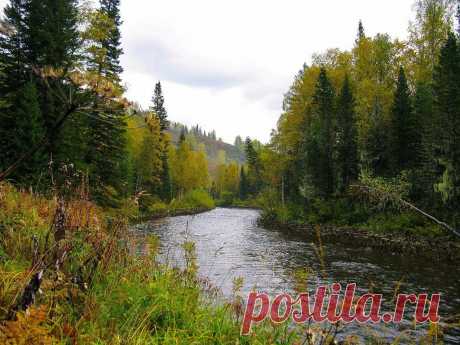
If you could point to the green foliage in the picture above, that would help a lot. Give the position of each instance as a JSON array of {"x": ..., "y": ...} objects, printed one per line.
[
  {"x": 404, "y": 134},
  {"x": 102, "y": 294},
  {"x": 197, "y": 199},
  {"x": 347, "y": 140},
  {"x": 159, "y": 108}
]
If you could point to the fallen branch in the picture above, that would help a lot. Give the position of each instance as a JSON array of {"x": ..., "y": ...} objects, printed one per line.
[{"x": 372, "y": 191}]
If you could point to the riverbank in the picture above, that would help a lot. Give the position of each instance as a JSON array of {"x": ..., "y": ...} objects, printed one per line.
[
  {"x": 440, "y": 248},
  {"x": 69, "y": 274}
]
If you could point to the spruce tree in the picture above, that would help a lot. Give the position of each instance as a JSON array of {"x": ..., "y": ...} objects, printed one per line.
[
  {"x": 447, "y": 122},
  {"x": 254, "y": 168},
  {"x": 52, "y": 38},
  {"x": 12, "y": 77},
  {"x": 106, "y": 155},
  {"x": 12, "y": 49},
  {"x": 112, "y": 43},
  {"x": 426, "y": 160},
  {"x": 160, "y": 111},
  {"x": 159, "y": 108},
  {"x": 347, "y": 148},
  {"x": 243, "y": 187},
  {"x": 377, "y": 149},
  {"x": 323, "y": 136},
  {"x": 29, "y": 131},
  {"x": 361, "y": 32},
  {"x": 404, "y": 138}
]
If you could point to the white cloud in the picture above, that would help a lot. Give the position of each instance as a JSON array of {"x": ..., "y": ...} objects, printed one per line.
[{"x": 226, "y": 64}]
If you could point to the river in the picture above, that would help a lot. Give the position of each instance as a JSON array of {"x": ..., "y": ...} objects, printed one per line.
[{"x": 230, "y": 244}]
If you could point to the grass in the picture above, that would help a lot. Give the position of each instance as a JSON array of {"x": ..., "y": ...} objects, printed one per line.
[
  {"x": 103, "y": 292},
  {"x": 98, "y": 289},
  {"x": 343, "y": 212}
]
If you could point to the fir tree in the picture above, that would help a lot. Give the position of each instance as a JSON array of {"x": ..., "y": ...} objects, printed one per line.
[
  {"x": 403, "y": 132},
  {"x": 323, "y": 136},
  {"x": 243, "y": 187},
  {"x": 12, "y": 48},
  {"x": 112, "y": 43},
  {"x": 361, "y": 32},
  {"x": 425, "y": 160},
  {"x": 106, "y": 155},
  {"x": 377, "y": 151},
  {"x": 254, "y": 169},
  {"x": 52, "y": 39},
  {"x": 447, "y": 121},
  {"x": 29, "y": 131},
  {"x": 347, "y": 149},
  {"x": 159, "y": 107}
]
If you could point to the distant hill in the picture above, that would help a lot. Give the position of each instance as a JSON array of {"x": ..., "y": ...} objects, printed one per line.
[
  {"x": 214, "y": 146},
  {"x": 218, "y": 151}
]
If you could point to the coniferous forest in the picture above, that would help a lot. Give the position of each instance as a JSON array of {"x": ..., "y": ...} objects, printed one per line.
[{"x": 368, "y": 141}]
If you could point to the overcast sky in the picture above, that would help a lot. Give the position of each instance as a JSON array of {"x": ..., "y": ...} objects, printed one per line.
[{"x": 226, "y": 64}]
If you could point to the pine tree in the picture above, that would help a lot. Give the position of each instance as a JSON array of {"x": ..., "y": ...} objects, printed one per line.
[
  {"x": 243, "y": 187},
  {"x": 112, "y": 43},
  {"x": 159, "y": 108},
  {"x": 106, "y": 154},
  {"x": 361, "y": 32},
  {"x": 426, "y": 159},
  {"x": 323, "y": 136},
  {"x": 447, "y": 121},
  {"x": 29, "y": 131},
  {"x": 52, "y": 38},
  {"x": 377, "y": 149},
  {"x": 254, "y": 168},
  {"x": 347, "y": 149},
  {"x": 12, "y": 48},
  {"x": 404, "y": 138},
  {"x": 12, "y": 77},
  {"x": 160, "y": 111}
]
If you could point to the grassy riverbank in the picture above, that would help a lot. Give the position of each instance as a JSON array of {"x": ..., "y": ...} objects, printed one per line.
[
  {"x": 99, "y": 292},
  {"x": 71, "y": 274},
  {"x": 354, "y": 223},
  {"x": 193, "y": 202}
]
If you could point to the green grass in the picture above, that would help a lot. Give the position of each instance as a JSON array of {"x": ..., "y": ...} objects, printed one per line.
[{"x": 105, "y": 292}]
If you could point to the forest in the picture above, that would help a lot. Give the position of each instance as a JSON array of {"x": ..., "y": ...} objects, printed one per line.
[
  {"x": 368, "y": 138},
  {"x": 63, "y": 108},
  {"x": 369, "y": 135}
]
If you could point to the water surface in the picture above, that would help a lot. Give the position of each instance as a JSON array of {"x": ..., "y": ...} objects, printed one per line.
[{"x": 230, "y": 244}]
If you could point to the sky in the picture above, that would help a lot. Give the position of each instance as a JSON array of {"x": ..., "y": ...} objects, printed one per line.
[{"x": 226, "y": 65}]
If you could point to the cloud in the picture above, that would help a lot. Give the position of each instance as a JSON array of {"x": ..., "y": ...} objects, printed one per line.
[{"x": 226, "y": 64}]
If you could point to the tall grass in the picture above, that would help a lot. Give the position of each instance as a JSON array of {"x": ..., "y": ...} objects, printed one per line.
[
  {"x": 101, "y": 292},
  {"x": 97, "y": 289}
]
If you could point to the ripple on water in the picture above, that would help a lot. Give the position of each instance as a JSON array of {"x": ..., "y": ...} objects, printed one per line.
[{"x": 230, "y": 244}]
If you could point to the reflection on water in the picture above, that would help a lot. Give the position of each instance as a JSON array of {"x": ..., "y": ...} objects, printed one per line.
[{"x": 230, "y": 244}]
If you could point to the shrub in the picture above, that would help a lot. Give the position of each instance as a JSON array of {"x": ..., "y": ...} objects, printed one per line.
[{"x": 194, "y": 200}]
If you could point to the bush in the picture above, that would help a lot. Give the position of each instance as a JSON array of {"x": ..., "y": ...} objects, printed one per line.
[
  {"x": 227, "y": 199},
  {"x": 158, "y": 209},
  {"x": 194, "y": 200}
]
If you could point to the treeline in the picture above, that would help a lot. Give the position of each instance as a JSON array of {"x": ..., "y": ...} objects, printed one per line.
[
  {"x": 63, "y": 115},
  {"x": 61, "y": 95},
  {"x": 386, "y": 113}
]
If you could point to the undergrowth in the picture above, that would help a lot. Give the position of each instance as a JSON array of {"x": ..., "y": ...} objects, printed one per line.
[{"x": 95, "y": 287}]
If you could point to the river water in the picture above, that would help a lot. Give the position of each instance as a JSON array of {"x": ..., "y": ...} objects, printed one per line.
[{"x": 230, "y": 244}]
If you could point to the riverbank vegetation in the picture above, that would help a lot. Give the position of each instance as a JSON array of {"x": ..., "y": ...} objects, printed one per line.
[
  {"x": 369, "y": 137},
  {"x": 69, "y": 274}
]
